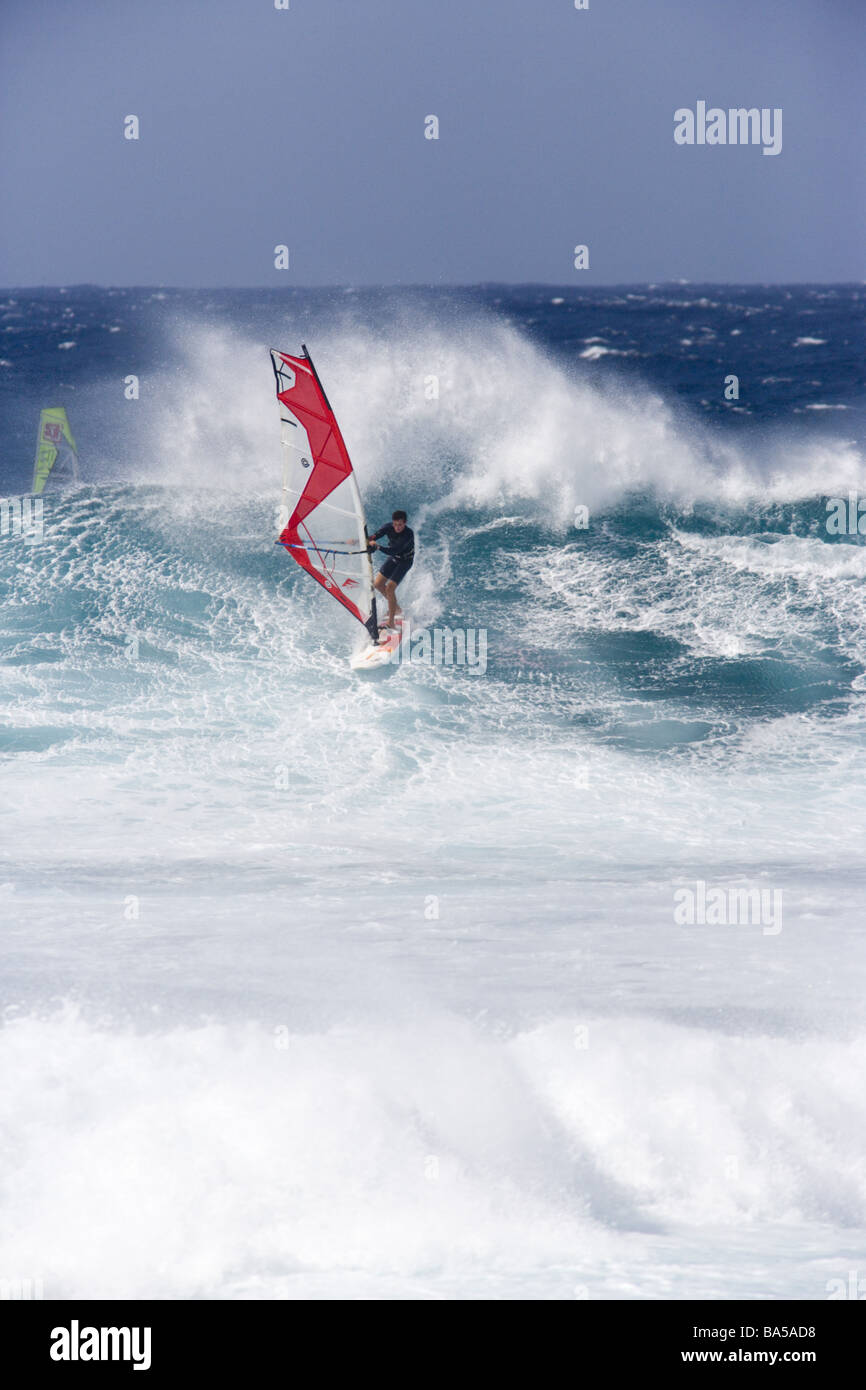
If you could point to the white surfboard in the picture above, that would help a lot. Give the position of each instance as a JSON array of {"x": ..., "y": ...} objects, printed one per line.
[{"x": 380, "y": 653}]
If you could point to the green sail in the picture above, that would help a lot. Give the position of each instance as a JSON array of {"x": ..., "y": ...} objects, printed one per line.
[{"x": 56, "y": 454}]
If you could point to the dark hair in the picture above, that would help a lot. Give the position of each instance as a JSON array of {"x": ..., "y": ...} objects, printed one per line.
[{"x": 399, "y": 516}]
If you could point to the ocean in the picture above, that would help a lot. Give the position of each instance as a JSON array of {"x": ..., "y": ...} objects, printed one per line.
[{"x": 538, "y": 978}]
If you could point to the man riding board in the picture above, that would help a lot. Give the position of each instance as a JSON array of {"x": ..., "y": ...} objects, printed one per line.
[{"x": 400, "y": 553}]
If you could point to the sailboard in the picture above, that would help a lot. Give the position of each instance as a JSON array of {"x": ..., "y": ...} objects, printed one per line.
[
  {"x": 382, "y": 652},
  {"x": 324, "y": 527},
  {"x": 56, "y": 452}
]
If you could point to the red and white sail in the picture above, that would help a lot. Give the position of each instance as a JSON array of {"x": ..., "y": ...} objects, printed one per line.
[{"x": 324, "y": 527}]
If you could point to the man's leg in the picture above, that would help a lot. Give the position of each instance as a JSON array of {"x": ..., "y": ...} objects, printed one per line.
[
  {"x": 388, "y": 589},
  {"x": 391, "y": 594}
]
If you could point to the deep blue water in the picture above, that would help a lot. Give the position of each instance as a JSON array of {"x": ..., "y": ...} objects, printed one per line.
[{"x": 681, "y": 339}]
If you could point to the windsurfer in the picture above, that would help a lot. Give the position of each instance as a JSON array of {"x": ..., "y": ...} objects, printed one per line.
[{"x": 400, "y": 553}]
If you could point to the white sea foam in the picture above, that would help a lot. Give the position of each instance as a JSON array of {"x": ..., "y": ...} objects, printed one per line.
[
  {"x": 250, "y": 1161},
  {"x": 378, "y": 989},
  {"x": 508, "y": 425}
]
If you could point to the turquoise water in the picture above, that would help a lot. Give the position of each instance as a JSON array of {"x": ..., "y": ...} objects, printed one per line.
[{"x": 324, "y": 986}]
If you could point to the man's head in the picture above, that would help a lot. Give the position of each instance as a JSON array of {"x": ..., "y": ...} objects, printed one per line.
[{"x": 399, "y": 519}]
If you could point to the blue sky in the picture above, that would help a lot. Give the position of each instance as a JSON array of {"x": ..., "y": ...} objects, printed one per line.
[{"x": 306, "y": 127}]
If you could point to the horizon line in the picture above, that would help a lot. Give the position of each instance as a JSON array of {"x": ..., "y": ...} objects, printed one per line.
[{"x": 347, "y": 288}]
